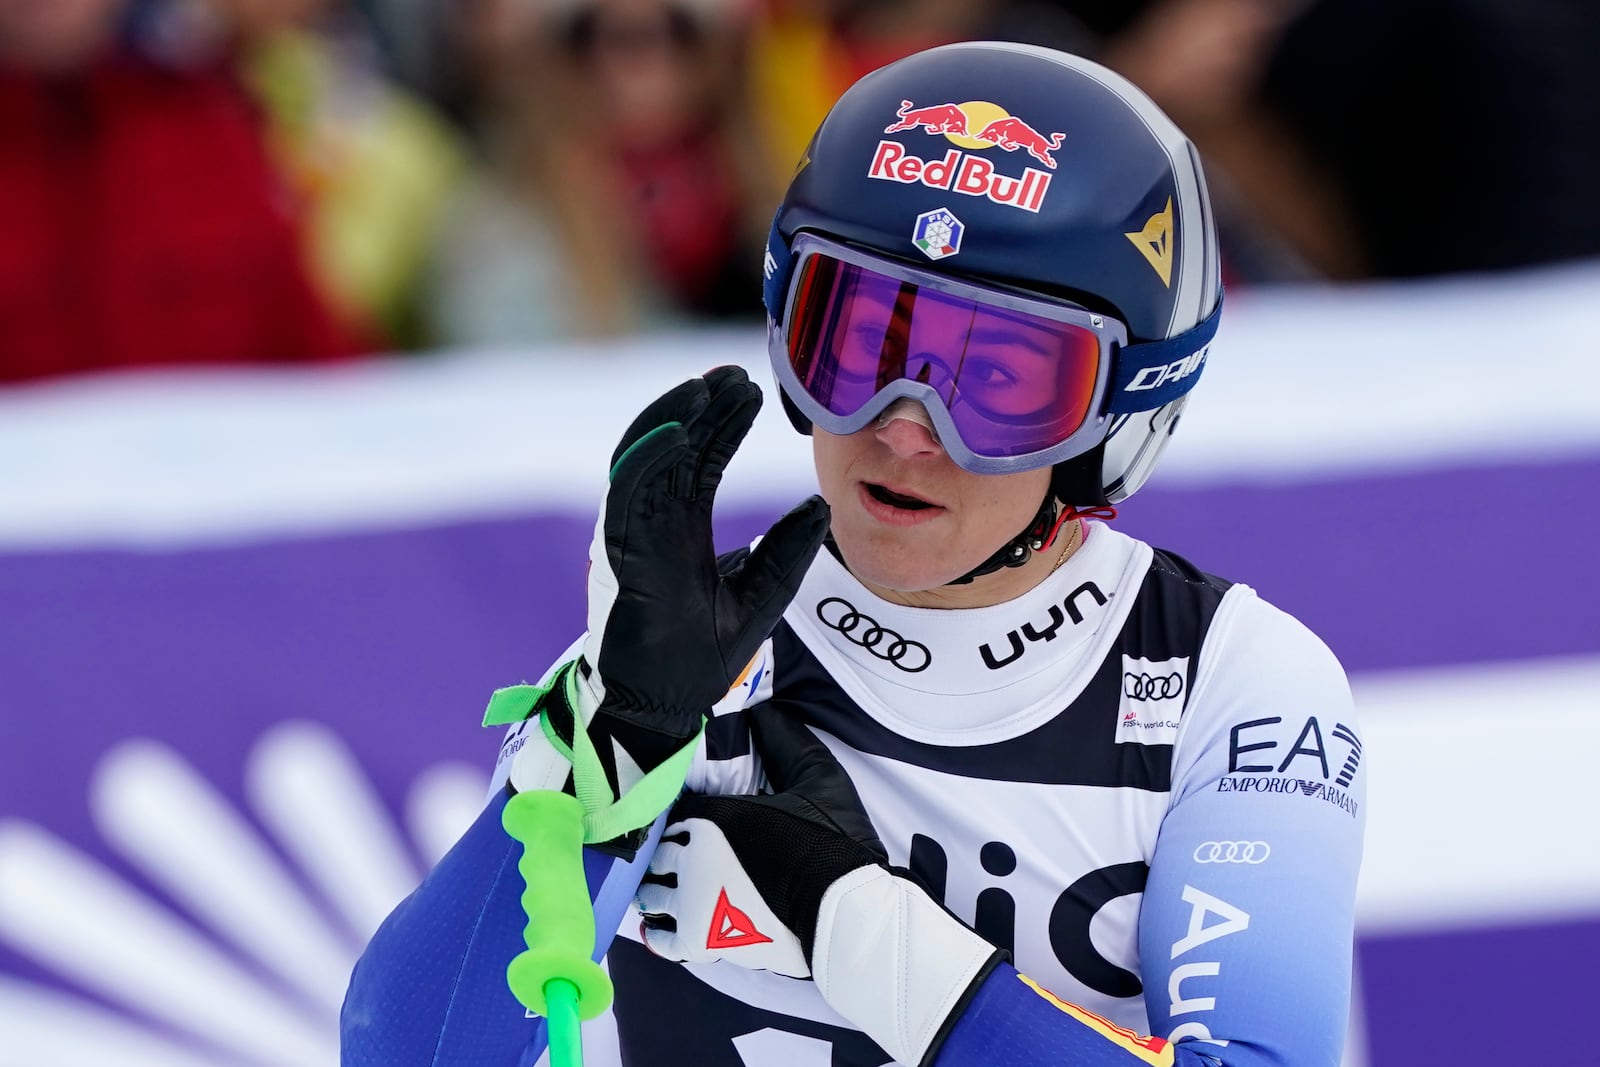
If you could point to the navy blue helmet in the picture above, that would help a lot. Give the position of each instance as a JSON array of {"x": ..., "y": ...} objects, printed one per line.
[{"x": 1027, "y": 189}]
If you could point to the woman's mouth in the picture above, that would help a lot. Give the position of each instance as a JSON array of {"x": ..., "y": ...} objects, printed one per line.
[
  {"x": 896, "y": 508},
  {"x": 894, "y": 499}
]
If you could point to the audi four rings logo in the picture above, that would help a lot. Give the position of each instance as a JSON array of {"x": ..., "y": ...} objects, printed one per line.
[
  {"x": 858, "y": 629},
  {"x": 1251, "y": 852},
  {"x": 1152, "y": 687}
]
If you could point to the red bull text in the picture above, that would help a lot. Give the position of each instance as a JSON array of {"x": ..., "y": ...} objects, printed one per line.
[
  {"x": 977, "y": 125},
  {"x": 959, "y": 172}
]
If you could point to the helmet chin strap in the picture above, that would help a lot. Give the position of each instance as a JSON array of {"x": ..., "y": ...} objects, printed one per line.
[{"x": 1039, "y": 535}]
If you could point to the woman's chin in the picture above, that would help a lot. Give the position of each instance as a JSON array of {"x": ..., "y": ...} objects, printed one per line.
[{"x": 899, "y": 571}]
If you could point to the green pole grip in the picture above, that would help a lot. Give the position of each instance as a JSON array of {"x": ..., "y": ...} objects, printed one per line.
[{"x": 555, "y": 897}]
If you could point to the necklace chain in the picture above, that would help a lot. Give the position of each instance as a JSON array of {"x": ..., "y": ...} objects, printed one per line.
[{"x": 1072, "y": 543}]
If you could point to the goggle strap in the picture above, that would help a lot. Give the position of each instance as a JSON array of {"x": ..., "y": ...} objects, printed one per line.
[
  {"x": 1155, "y": 373},
  {"x": 776, "y": 266}
]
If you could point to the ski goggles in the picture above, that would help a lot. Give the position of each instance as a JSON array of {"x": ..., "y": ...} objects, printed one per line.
[{"x": 1010, "y": 381}]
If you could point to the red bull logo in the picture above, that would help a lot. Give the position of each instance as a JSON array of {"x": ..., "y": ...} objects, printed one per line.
[
  {"x": 940, "y": 118},
  {"x": 976, "y": 125}
]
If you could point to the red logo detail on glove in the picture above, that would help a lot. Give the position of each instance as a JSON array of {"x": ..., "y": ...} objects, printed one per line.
[{"x": 732, "y": 928}]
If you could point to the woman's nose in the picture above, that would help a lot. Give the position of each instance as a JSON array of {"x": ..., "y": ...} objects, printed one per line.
[{"x": 906, "y": 428}]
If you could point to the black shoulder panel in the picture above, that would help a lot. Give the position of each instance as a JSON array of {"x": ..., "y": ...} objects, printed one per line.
[{"x": 1174, "y": 610}]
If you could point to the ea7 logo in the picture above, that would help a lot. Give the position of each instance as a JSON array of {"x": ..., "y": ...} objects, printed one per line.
[
  {"x": 1177, "y": 370},
  {"x": 1308, "y": 744},
  {"x": 1308, "y": 767}
]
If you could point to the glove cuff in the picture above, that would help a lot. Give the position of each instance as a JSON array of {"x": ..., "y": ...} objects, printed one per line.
[
  {"x": 895, "y": 963},
  {"x": 540, "y": 745},
  {"x": 620, "y": 799}
]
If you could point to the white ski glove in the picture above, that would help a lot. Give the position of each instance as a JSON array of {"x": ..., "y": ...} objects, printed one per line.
[{"x": 796, "y": 882}]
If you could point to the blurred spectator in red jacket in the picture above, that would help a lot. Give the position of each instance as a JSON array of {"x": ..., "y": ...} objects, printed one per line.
[
  {"x": 370, "y": 163},
  {"x": 143, "y": 222}
]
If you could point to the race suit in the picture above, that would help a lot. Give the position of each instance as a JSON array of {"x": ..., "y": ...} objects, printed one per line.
[{"x": 1142, "y": 781}]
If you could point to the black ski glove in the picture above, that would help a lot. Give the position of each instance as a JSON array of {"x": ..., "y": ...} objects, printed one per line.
[{"x": 668, "y": 633}]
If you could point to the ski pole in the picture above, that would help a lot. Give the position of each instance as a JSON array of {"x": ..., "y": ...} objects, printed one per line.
[{"x": 555, "y": 976}]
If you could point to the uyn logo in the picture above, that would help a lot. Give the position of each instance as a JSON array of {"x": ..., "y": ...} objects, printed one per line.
[{"x": 1059, "y": 614}]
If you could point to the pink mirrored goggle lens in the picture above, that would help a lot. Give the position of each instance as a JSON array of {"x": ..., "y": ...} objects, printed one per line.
[{"x": 1012, "y": 382}]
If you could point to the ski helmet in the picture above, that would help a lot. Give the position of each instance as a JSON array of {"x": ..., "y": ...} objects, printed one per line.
[{"x": 985, "y": 214}]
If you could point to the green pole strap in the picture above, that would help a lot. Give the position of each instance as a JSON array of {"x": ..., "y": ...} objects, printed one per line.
[
  {"x": 605, "y": 816},
  {"x": 555, "y": 975},
  {"x": 517, "y": 702}
]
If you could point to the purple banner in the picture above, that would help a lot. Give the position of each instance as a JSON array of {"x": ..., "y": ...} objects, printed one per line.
[
  {"x": 1513, "y": 995},
  {"x": 1446, "y": 566},
  {"x": 393, "y": 640}
]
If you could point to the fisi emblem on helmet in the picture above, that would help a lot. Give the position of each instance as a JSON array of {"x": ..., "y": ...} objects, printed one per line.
[{"x": 938, "y": 233}]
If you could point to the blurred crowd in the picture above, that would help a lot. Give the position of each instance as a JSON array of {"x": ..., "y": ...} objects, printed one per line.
[{"x": 201, "y": 181}]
